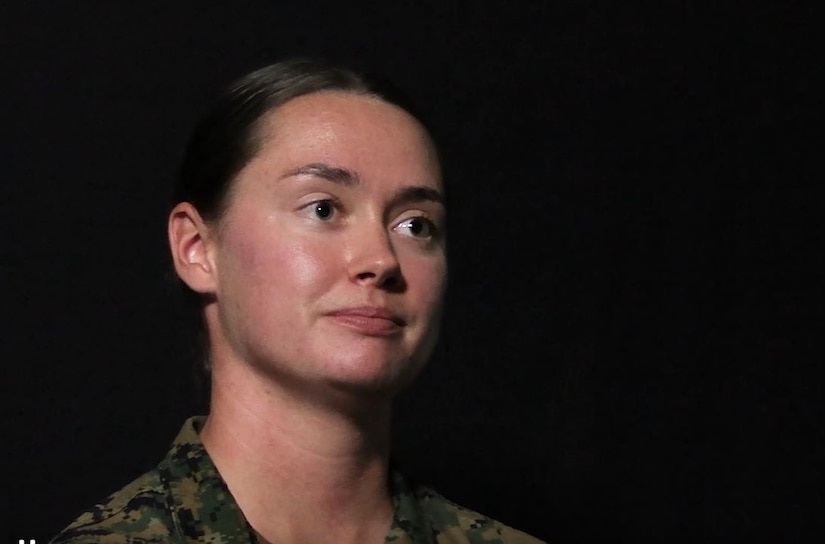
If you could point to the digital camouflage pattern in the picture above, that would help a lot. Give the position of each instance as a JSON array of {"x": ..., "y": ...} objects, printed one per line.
[{"x": 185, "y": 500}]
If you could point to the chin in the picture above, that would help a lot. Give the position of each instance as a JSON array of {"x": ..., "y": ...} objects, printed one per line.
[{"x": 379, "y": 378}]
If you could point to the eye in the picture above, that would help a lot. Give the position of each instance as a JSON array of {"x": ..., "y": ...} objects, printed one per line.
[
  {"x": 416, "y": 227},
  {"x": 321, "y": 209}
]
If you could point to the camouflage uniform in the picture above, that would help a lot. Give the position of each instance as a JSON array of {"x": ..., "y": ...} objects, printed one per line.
[{"x": 185, "y": 500}]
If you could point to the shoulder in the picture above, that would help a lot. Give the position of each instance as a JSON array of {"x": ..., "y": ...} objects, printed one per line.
[
  {"x": 137, "y": 513},
  {"x": 452, "y": 523}
]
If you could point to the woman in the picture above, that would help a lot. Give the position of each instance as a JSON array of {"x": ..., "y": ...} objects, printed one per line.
[{"x": 310, "y": 223}]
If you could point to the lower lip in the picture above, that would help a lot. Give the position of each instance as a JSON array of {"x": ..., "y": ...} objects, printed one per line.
[{"x": 369, "y": 326}]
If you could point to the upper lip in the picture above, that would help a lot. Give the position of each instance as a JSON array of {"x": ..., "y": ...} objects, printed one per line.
[{"x": 378, "y": 312}]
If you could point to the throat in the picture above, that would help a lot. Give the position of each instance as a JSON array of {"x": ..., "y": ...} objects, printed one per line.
[{"x": 299, "y": 473}]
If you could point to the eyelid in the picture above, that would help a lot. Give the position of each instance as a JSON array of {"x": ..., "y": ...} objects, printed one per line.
[
  {"x": 412, "y": 212},
  {"x": 315, "y": 198}
]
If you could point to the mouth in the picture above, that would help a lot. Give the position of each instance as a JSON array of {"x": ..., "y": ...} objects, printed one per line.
[{"x": 369, "y": 320}]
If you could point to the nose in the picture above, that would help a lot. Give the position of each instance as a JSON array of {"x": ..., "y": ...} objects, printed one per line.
[{"x": 373, "y": 261}]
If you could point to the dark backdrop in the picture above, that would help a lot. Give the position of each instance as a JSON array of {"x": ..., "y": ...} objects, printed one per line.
[{"x": 633, "y": 335}]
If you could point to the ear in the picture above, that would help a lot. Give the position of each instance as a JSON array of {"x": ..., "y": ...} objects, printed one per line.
[{"x": 189, "y": 238}]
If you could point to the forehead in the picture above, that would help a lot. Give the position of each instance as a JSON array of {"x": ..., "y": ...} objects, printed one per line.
[
  {"x": 354, "y": 131},
  {"x": 330, "y": 108}
]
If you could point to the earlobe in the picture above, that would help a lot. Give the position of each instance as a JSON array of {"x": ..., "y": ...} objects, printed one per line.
[{"x": 189, "y": 244}]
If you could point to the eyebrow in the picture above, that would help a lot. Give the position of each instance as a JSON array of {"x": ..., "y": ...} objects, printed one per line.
[
  {"x": 334, "y": 174},
  {"x": 417, "y": 193},
  {"x": 343, "y": 176}
]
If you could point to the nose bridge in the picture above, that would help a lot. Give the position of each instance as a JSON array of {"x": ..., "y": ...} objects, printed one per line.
[{"x": 372, "y": 254}]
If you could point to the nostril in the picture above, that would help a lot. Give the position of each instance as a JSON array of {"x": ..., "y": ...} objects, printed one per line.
[{"x": 393, "y": 283}]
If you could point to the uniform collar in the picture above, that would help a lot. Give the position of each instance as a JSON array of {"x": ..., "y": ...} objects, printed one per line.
[{"x": 201, "y": 505}]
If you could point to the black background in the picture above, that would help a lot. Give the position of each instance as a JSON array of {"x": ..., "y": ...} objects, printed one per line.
[{"x": 634, "y": 322}]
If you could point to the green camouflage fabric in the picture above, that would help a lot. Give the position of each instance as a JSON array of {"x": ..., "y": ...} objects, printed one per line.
[{"x": 185, "y": 500}]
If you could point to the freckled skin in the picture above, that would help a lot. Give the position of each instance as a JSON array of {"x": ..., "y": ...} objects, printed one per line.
[{"x": 282, "y": 269}]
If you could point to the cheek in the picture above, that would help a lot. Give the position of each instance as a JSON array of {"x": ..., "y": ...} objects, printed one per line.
[
  {"x": 429, "y": 278},
  {"x": 309, "y": 265},
  {"x": 267, "y": 268}
]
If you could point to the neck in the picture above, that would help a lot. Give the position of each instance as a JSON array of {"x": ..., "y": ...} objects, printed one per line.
[{"x": 321, "y": 465}]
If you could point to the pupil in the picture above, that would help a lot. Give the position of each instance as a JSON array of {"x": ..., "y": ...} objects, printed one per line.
[
  {"x": 323, "y": 210},
  {"x": 416, "y": 226}
]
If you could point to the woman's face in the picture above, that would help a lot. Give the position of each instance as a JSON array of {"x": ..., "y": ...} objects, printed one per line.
[{"x": 330, "y": 258}]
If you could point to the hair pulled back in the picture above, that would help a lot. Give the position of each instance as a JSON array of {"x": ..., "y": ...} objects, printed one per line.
[{"x": 227, "y": 137}]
